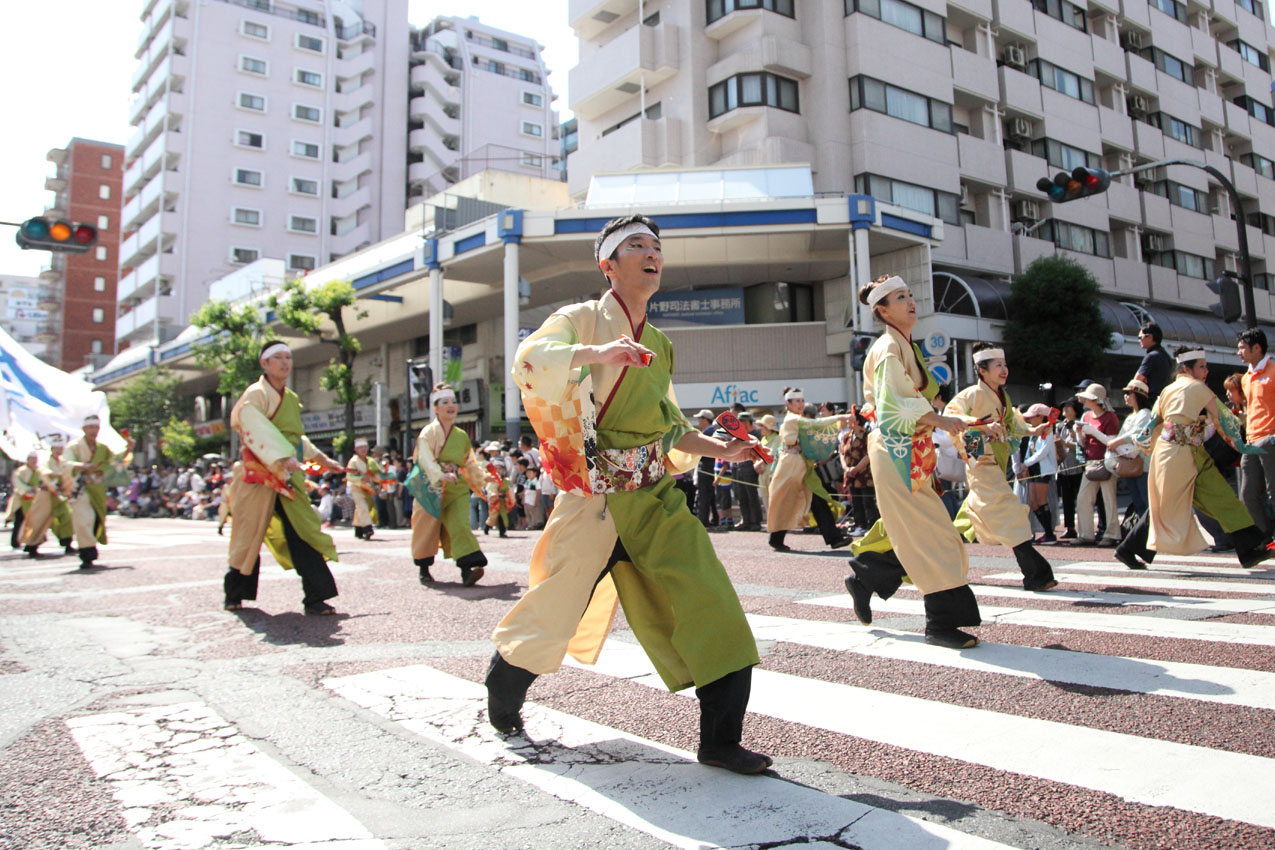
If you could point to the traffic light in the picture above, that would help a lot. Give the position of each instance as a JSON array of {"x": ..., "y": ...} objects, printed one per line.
[
  {"x": 59, "y": 236},
  {"x": 422, "y": 378},
  {"x": 859, "y": 350},
  {"x": 1080, "y": 183},
  {"x": 1227, "y": 287}
]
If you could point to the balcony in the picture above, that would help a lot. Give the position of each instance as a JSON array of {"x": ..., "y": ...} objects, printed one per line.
[
  {"x": 350, "y": 203},
  {"x": 56, "y": 183},
  {"x": 144, "y": 204},
  {"x": 974, "y": 74},
  {"x": 1124, "y": 202},
  {"x": 1237, "y": 120},
  {"x": 426, "y": 141},
  {"x": 137, "y": 324},
  {"x": 155, "y": 235},
  {"x": 642, "y": 143},
  {"x": 147, "y": 279},
  {"x": 614, "y": 75},
  {"x": 1014, "y": 16},
  {"x": 1019, "y": 91},
  {"x": 1147, "y": 140},
  {"x": 429, "y": 79},
  {"x": 1022, "y": 170},
  {"x": 431, "y": 112},
  {"x": 590, "y": 17},
  {"x": 981, "y": 160},
  {"x": 356, "y": 66}
]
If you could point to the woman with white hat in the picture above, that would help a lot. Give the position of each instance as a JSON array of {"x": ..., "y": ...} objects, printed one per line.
[
  {"x": 769, "y": 438},
  {"x": 361, "y": 474},
  {"x": 1099, "y": 421},
  {"x": 794, "y": 482}
]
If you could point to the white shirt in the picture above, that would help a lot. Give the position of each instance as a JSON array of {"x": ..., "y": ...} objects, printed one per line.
[{"x": 1259, "y": 365}]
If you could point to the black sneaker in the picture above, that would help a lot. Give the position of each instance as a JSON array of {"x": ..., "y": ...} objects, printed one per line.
[
  {"x": 734, "y": 758},
  {"x": 469, "y": 576},
  {"x": 1261, "y": 553},
  {"x": 841, "y": 542},
  {"x": 319, "y": 609},
  {"x": 951, "y": 638},
  {"x": 862, "y": 599},
  {"x": 1129, "y": 560}
]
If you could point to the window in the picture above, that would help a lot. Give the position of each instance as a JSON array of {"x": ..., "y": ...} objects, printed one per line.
[
  {"x": 95, "y": 346},
  {"x": 254, "y": 102},
  {"x": 309, "y": 150},
  {"x": 245, "y": 216},
  {"x": 1257, "y": 109},
  {"x": 248, "y": 177},
  {"x": 104, "y": 191},
  {"x": 763, "y": 89},
  {"x": 301, "y": 112},
  {"x": 106, "y": 162},
  {"x": 903, "y": 15},
  {"x": 99, "y": 284},
  {"x": 721, "y": 8},
  {"x": 1260, "y": 164},
  {"x": 1061, "y": 10},
  {"x": 243, "y": 256},
  {"x": 1061, "y": 80},
  {"x": 1172, "y": 8},
  {"x": 252, "y": 29},
  {"x": 530, "y": 98},
  {"x": 1169, "y": 64},
  {"x": 103, "y": 222},
  {"x": 100, "y": 253},
  {"x": 309, "y": 42},
  {"x": 532, "y": 160},
  {"x": 867, "y": 93},
  {"x": 944, "y": 205},
  {"x": 653, "y": 112},
  {"x": 305, "y": 16},
  {"x": 528, "y": 76},
  {"x": 1064, "y": 156},
  {"x": 1262, "y": 222},
  {"x": 309, "y": 78},
  {"x": 247, "y": 139},
  {"x": 99, "y": 315},
  {"x": 500, "y": 44},
  {"x": 530, "y": 128},
  {"x": 1073, "y": 237},
  {"x": 303, "y": 224},
  {"x": 1253, "y": 7},
  {"x": 1176, "y": 128},
  {"x": 301, "y": 186},
  {"x": 251, "y": 65},
  {"x": 1181, "y": 196},
  {"x": 1190, "y": 265},
  {"x": 301, "y": 262}
]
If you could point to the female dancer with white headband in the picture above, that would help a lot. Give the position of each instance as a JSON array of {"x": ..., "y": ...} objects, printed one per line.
[
  {"x": 444, "y": 456},
  {"x": 794, "y": 483},
  {"x": 899, "y": 389},
  {"x": 1184, "y": 477}
]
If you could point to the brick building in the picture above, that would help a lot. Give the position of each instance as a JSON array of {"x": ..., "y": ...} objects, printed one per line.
[{"x": 87, "y": 186}]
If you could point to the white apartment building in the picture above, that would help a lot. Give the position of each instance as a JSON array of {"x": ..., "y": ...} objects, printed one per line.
[
  {"x": 263, "y": 129},
  {"x": 30, "y": 313},
  {"x": 956, "y": 109},
  {"x": 480, "y": 100}
]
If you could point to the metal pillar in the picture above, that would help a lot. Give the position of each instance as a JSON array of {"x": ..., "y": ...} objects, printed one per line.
[
  {"x": 436, "y": 322},
  {"x": 513, "y": 400}
]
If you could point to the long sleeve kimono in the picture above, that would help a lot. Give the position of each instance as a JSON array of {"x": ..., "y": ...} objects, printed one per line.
[
  {"x": 49, "y": 508},
  {"x": 794, "y": 482},
  {"x": 1183, "y": 475},
  {"x": 442, "y": 515},
  {"x": 361, "y": 479},
  {"x": 901, "y": 455},
  {"x": 26, "y": 484},
  {"x": 88, "y": 504},
  {"x": 991, "y": 510},
  {"x": 270, "y": 425},
  {"x": 617, "y": 506}
]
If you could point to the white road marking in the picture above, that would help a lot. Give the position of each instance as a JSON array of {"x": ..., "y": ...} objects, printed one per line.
[
  {"x": 1141, "y": 770},
  {"x": 186, "y": 780},
  {"x": 1155, "y": 600},
  {"x": 1125, "y": 624},
  {"x": 1147, "y": 579},
  {"x": 1165, "y": 565},
  {"x": 650, "y": 787},
  {"x": 337, "y": 568},
  {"x": 1227, "y": 685}
]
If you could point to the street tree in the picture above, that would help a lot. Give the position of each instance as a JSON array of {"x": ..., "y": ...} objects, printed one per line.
[
  {"x": 308, "y": 311},
  {"x": 237, "y": 334},
  {"x": 146, "y": 403},
  {"x": 179, "y": 442},
  {"x": 1055, "y": 330}
]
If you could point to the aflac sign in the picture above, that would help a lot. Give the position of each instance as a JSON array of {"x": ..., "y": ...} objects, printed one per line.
[{"x": 728, "y": 394}]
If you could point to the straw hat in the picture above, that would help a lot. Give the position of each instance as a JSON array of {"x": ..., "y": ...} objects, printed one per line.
[{"x": 1094, "y": 392}]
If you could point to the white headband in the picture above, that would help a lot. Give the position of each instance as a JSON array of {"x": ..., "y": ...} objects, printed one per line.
[
  {"x": 989, "y": 354},
  {"x": 57, "y": 441},
  {"x": 794, "y": 395},
  {"x": 1188, "y": 356},
  {"x": 92, "y": 420},
  {"x": 614, "y": 239},
  {"x": 361, "y": 441},
  {"x": 273, "y": 349},
  {"x": 884, "y": 288},
  {"x": 441, "y": 395}
]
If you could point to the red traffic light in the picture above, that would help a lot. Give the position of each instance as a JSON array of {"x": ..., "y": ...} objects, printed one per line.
[
  {"x": 1080, "y": 183},
  {"x": 59, "y": 236}
]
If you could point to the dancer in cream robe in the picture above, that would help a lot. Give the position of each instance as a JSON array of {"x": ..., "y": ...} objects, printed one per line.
[
  {"x": 899, "y": 390},
  {"x": 49, "y": 509},
  {"x": 795, "y": 490},
  {"x": 1183, "y": 477},
  {"x": 26, "y": 485},
  {"x": 362, "y": 473},
  {"x": 90, "y": 461}
]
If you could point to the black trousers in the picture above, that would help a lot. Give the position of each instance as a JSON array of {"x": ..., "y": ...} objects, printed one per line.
[
  {"x": 747, "y": 495},
  {"x": 882, "y": 574},
  {"x": 1068, "y": 489},
  {"x": 14, "y": 542},
  {"x": 705, "y": 499},
  {"x": 823, "y": 519},
  {"x": 317, "y": 583},
  {"x": 863, "y": 503},
  {"x": 1246, "y": 540}
]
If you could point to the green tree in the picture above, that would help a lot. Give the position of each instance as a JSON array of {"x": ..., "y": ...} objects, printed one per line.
[
  {"x": 179, "y": 442},
  {"x": 147, "y": 403},
  {"x": 1056, "y": 331},
  {"x": 306, "y": 310},
  {"x": 237, "y": 336}
]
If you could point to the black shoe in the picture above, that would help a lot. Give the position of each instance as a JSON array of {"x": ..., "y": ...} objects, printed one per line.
[
  {"x": 1040, "y": 588},
  {"x": 1261, "y": 553},
  {"x": 733, "y": 757},
  {"x": 1107, "y": 543},
  {"x": 841, "y": 542},
  {"x": 319, "y": 609},
  {"x": 32, "y": 553},
  {"x": 862, "y": 599},
  {"x": 781, "y": 547},
  {"x": 425, "y": 564},
  {"x": 1070, "y": 534},
  {"x": 1129, "y": 559},
  {"x": 503, "y": 535},
  {"x": 951, "y": 638},
  {"x": 486, "y": 528},
  {"x": 69, "y": 550},
  {"x": 506, "y": 692},
  {"x": 469, "y": 576}
]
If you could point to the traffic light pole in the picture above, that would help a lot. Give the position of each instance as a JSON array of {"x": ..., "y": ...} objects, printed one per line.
[{"x": 1246, "y": 268}]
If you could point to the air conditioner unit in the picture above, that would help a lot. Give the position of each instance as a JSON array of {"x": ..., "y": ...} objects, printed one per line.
[
  {"x": 1139, "y": 105},
  {"x": 1132, "y": 40},
  {"x": 1020, "y": 128},
  {"x": 1143, "y": 184},
  {"x": 1026, "y": 209},
  {"x": 1015, "y": 57},
  {"x": 1152, "y": 243}
]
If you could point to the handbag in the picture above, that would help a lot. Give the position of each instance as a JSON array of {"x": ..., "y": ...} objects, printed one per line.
[
  {"x": 1095, "y": 470},
  {"x": 1128, "y": 467}
]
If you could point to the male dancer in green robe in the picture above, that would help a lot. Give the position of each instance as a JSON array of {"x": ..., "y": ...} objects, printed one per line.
[
  {"x": 89, "y": 460},
  {"x": 271, "y": 504},
  {"x": 620, "y": 528}
]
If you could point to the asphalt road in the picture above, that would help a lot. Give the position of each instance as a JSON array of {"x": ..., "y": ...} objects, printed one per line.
[{"x": 1121, "y": 710}]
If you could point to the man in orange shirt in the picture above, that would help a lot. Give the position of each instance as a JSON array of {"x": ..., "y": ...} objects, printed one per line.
[{"x": 1257, "y": 471}]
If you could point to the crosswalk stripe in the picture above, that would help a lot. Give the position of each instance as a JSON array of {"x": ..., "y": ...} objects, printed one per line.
[
  {"x": 1227, "y": 685},
  {"x": 1158, "y": 600},
  {"x": 1151, "y": 772},
  {"x": 1154, "y": 581},
  {"x": 1126, "y": 624},
  {"x": 645, "y": 785},
  {"x": 1164, "y": 565},
  {"x": 185, "y": 778},
  {"x": 338, "y": 569}
]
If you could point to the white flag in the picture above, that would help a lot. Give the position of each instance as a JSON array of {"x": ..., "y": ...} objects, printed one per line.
[{"x": 39, "y": 401}]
